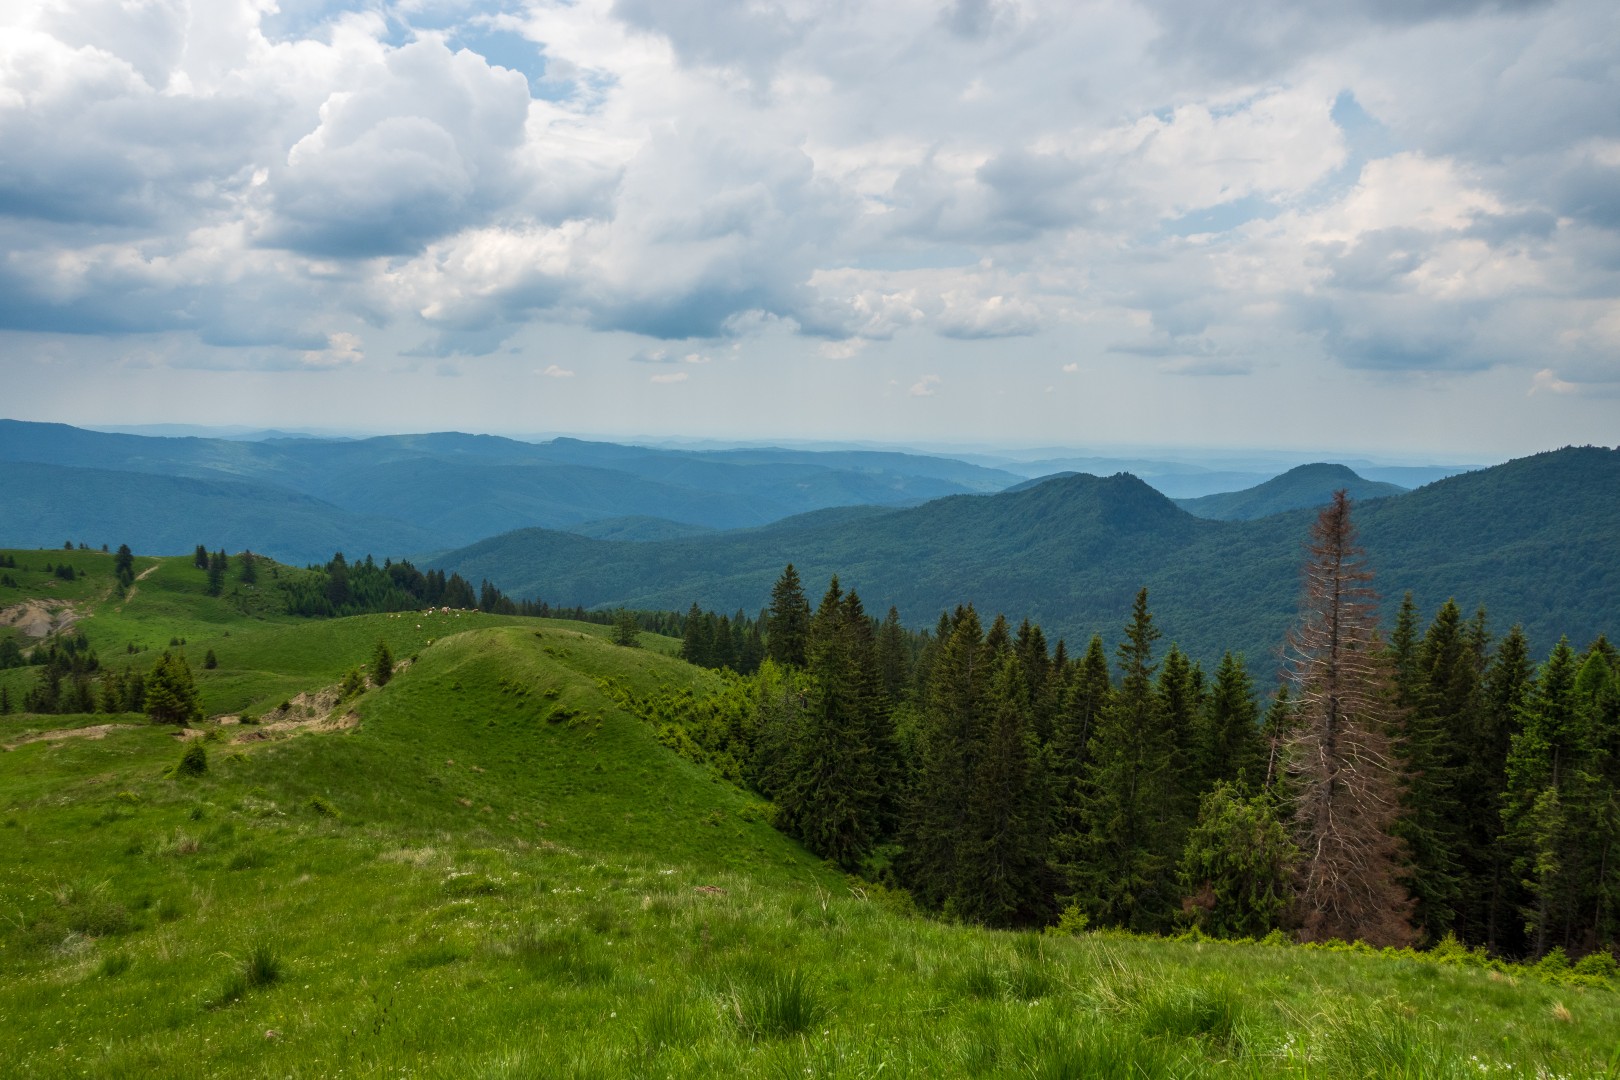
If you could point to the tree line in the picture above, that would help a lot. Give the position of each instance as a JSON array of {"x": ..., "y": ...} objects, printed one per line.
[{"x": 1398, "y": 790}]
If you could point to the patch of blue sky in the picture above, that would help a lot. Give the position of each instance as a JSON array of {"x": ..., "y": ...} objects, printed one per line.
[
  {"x": 296, "y": 20},
  {"x": 1220, "y": 218},
  {"x": 503, "y": 48},
  {"x": 1365, "y": 136}
]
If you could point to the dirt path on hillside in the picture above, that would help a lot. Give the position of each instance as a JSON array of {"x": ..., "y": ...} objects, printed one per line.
[{"x": 134, "y": 586}]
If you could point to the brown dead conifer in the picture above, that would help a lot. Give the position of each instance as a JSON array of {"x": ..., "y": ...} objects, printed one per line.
[{"x": 1345, "y": 781}]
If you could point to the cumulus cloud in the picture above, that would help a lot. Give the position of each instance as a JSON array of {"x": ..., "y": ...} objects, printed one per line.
[
  {"x": 927, "y": 386},
  {"x": 1208, "y": 182},
  {"x": 557, "y": 372}
]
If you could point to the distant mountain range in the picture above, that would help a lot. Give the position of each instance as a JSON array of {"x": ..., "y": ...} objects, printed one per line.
[
  {"x": 1537, "y": 541},
  {"x": 439, "y": 490},
  {"x": 579, "y": 522}
]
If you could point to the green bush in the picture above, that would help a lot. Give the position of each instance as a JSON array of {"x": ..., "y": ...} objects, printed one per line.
[
  {"x": 316, "y": 804},
  {"x": 1600, "y": 964},
  {"x": 194, "y": 762}
]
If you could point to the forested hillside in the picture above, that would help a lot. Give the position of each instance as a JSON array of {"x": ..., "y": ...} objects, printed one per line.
[{"x": 1537, "y": 541}]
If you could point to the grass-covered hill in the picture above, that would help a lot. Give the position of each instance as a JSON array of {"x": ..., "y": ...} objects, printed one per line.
[
  {"x": 1298, "y": 488},
  {"x": 489, "y": 868},
  {"x": 1536, "y": 540},
  {"x": 437, "y": 490}
]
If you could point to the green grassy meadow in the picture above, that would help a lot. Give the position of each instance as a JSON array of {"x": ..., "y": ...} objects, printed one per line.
[{"x": 495, "y": 871}]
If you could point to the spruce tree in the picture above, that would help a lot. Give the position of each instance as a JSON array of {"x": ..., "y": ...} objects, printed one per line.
[
  {"x": 694, "y": 642},
  {"x": 1181, "y": 701},
  {"x": 1001, "y": 865},
  {"x": 830, "y": 798},
  {"x": 1123, "y": 872},
  {"x": 382, "y": 664},
  {"x": 893, "y": 656},
  {"x": 1238, "y": 866},
  {"x": 171, "y": 695},
  {"x": 1547, "y": 801},
  {"x": 250, "y": 568},
  {"x": 626, "y": 631},
  {"x": 955, "y": 695},
  {"x": 124, "y": 566},
  {"x": 1085, "y": 697},
  {"x": 722, "y": 646},
  {"x": 1233, "y": 748},
  {"x": 1438, "y": 699},
  {"x": 787, "y": 625},
  {"x": 1507, "y": 683},
  {"x": 199, "y": 557}
]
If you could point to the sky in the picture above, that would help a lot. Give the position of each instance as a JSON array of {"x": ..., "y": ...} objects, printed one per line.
[{"x": 1390, "y": 226}]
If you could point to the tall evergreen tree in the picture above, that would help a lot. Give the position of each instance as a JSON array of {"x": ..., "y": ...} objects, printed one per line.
[
  {"x": 1345, "y": 783},
  {"x": 1438, "y": 702},
  {"x": 216, "y": 573},
  {"x": 124, "y": 566},
  {"x": 893, "y": 656},
  {"x": 1124, "y": 869},
  {"x": 1181, "y": 700},
  {"x": 1001, "y": 866},
  {"x": 830, "y": 800},
  {"x": 1547, "y": 802},
  {"x": 1508, "y": 679},
  {"x": 694, "y": 640},
  {"x": 1232, "y": 747},
  {"x": 950, "y": 717},
  {"x": 787, "y": 626}
]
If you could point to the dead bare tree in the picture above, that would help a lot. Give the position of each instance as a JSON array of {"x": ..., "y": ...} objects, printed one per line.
[{"x": 1345, "y": 782}]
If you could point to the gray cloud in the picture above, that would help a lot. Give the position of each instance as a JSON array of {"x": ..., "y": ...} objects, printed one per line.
[
  {"x": 422, "y": 151},
  {"x": 1423, "y": 186}
]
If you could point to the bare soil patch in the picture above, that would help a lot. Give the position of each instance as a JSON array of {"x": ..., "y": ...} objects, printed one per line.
[
  {"x": 38, "y": 618},
  {"x": 95, "y": 731}
]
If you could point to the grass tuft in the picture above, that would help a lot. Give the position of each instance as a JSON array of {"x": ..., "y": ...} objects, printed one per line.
[
  {"x": 113, "y": 965},
  {"x": 777, "y": 1005}
]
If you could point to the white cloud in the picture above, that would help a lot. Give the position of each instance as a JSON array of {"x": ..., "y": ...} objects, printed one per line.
[
  {"x": 927, "y": 386},
  {"x": 342, "y": 349},
  {"x": 1072, "y": 368},
  {"x": 1547, "y": 379},
  {"x": 1397, "y": 188},
  {"x": 671, "y": 377},
  {"x": 556, "y": 372}
]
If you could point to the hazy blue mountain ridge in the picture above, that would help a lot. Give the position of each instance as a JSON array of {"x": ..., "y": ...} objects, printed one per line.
[
  {"x": 1536, "y": 540},
  {"x": 1299, "y": 487}
]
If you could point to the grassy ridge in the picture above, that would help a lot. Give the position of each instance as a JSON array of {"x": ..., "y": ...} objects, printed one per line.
[{"x": 499, "y": 873}]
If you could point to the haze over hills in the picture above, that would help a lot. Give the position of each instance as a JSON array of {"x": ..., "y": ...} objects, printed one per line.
[
  {"x": 448, "y": 489},
  {"x": 1536, "y": 540},
  {"x": 44, "y": 505},
  {"x": 1303, "y": 486}
]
